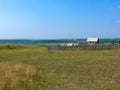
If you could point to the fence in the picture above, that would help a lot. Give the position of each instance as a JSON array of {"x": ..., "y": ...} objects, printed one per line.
[{"x": 87, "y": 47}]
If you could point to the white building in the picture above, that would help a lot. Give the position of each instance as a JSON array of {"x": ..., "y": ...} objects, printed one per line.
[
  {"x": 93, "y": 41},
  {"x": 70, "y": 44}
]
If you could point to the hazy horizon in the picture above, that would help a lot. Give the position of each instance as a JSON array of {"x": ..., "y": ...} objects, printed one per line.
[{"x": 59, "y": 19}]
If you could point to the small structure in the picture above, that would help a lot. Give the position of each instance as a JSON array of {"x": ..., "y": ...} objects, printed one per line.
[
  {"x": 92, "y": 41},
  {"x": 61, "y": 44},
  {"x": 70, "y": 44}
]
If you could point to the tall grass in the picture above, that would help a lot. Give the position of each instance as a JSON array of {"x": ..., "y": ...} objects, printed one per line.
[{"x": 16, "y": 77}]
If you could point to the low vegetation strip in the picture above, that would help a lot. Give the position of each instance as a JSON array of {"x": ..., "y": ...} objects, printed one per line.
[{"x": 41, "y": 69}]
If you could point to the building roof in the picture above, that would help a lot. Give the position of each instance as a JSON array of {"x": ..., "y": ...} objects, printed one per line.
[{"x": 92, "y": 39}]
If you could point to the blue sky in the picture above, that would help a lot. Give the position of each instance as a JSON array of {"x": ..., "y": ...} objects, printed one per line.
[{"x": 59, "y": 19}]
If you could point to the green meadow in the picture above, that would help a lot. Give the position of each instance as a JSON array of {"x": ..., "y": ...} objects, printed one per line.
[{"x": 36, "y": 68}]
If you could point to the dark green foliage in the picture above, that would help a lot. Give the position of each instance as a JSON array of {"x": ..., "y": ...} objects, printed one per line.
[{"x": 9, "y": 47}]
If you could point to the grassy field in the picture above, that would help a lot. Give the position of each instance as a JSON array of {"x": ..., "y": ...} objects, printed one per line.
[{"x": 40, "y": 69}]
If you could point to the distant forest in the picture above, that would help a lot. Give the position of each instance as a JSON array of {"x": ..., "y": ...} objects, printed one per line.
[{"x": 15, "y": 41}]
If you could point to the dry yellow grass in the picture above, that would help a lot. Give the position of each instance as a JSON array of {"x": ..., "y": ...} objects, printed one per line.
[{"x": 12, "y": 76}]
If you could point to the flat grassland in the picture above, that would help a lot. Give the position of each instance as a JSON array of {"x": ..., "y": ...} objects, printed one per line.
[{"x": 41, "y": 69}]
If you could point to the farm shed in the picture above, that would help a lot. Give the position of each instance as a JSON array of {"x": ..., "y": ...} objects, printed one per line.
[{"x": 93, "y": 41}]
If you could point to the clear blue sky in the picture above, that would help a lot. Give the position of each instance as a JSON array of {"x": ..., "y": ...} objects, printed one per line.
[{"x": 59, "y": 19}]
